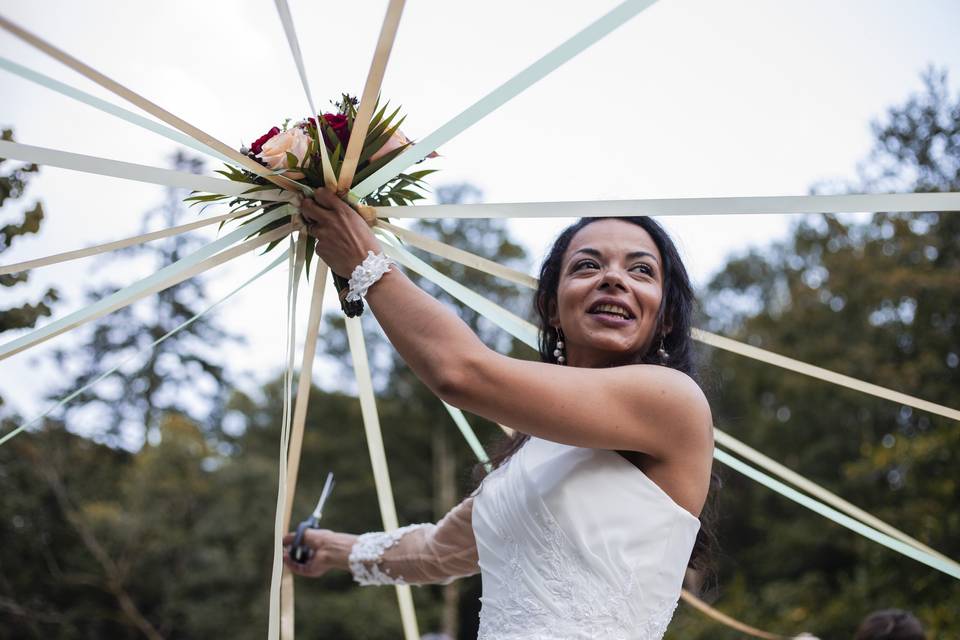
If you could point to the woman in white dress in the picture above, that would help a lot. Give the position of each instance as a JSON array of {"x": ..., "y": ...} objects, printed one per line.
[{"x": 586, "y": 526}]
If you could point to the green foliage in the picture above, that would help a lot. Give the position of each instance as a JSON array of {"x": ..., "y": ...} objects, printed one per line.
[
  {"x": 12, "y": 186},
  {"x": 184, "y": 374},
  {"x": 877, "y": 300}
]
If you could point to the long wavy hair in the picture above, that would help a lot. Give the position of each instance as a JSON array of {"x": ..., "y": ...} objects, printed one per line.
[{"x": 676, "y": 312}]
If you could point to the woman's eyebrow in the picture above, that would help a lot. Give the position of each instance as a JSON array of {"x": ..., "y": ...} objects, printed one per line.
[
  {"x": 630, "y": 256},
  {"x": 641, "y": 254},
  {"x": 633, "y": 254}
]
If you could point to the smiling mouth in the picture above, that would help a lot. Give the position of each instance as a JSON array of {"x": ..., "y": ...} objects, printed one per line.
[{"x": 611, "y": 310}]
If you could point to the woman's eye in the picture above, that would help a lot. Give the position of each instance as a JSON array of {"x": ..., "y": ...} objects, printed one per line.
[
  {"x": 644, "y": 268},
  {"x": 585, "y": 263}
]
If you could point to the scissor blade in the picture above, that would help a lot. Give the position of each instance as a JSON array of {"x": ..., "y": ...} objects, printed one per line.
[{"x": 327, "y": 488}]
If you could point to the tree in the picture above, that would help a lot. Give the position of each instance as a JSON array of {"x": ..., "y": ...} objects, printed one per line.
[
  {"x": 878, "y": 300},
  {"x": 183, "y": 374},
  {"x": 12, "y": 186}
]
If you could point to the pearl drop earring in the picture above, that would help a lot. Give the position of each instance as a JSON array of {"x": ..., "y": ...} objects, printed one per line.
[
  {"x": 558, "y": 353},
  {"x": 662, "y": 353}
]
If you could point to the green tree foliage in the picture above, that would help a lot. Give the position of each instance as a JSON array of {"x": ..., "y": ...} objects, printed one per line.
[
  {"x": 183, "y": 374},
  {"x": 878, "y": 300},
  {"x": 13, "y": 183}
]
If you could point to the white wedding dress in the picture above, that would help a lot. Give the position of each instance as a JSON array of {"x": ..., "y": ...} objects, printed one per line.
[{"x": 572, "y": 543}]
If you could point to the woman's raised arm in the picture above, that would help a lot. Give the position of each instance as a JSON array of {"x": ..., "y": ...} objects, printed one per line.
[{"x": 647, "y": 408}]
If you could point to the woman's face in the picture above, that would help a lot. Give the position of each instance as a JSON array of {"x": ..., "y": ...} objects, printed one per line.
[{"x": 611, "y": 284}]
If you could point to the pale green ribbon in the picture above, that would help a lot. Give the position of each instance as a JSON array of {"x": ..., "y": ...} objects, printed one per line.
[
  {"x": 112, "y": 109},
  {"x": 468, "y": 434},
  {"x": 138, "y": 172},
  {"x": 834, "y": 515},
  {"x": 180, "y": 266},
  {"x": 502, "y": 94},
  {"x": 127, "y": 360}
]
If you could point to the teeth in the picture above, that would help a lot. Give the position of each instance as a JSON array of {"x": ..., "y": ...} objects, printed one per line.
[{"x": 611, "y": 308}]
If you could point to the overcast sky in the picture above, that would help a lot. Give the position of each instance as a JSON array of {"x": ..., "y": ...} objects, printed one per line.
[{"x": 690, "y": 98}]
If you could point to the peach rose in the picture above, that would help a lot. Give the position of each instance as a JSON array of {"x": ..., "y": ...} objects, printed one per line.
[
  {"x": 274, "y": 151},
  {"x": 396, "y": 141}
]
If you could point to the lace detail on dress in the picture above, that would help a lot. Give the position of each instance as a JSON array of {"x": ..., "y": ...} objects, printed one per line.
[
  {"x": 588, "y": 606},
  {"x": 367, "y": 553}
]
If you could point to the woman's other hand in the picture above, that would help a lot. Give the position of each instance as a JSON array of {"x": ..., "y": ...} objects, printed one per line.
[
  {"x": 328, "y": 550},
  {"x": 343, "y": 237}
]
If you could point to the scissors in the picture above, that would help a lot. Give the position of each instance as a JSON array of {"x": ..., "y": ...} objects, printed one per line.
[{"x": 300, "y": 552}]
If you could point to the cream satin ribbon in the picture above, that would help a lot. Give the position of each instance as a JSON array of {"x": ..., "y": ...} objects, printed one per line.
[
  {"x": 371, "y": 91},
  {"x": 138, "y": 172},
  {"x": 148, "y": 106},
  {"x": 304, "y": 384},
  {"x": 378, "y": 460},
  {"x": 296, "y": 255},
  {"x": 727, "y": 344},
  {"x": 172, "y": 274},
  {"x": 120, "y": 244}
]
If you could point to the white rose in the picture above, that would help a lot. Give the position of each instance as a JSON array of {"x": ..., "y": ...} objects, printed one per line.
[{"x": 274, "y": 151}]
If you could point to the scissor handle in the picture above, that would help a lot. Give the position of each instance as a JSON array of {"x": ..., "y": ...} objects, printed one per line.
[{"x": 300, "y": 552}]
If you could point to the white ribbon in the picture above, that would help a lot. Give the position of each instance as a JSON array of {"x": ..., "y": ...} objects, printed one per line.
[
  {"x": 138, "y": 172},
  {"x": 165, "y": 277},
  {"x": 851, "y": 203},
  {"x": 120, "y": 244}
]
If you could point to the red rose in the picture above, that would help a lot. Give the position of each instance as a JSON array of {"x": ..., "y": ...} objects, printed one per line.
[
  {"x": 257, "y": 146},
  {"x": 340, "y": 126}
]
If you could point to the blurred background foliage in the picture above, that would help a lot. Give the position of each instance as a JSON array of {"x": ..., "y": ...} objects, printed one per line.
[{"x": 146, "y": 508}]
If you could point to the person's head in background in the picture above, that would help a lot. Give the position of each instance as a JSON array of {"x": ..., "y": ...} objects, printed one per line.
[{"x": 890, "y": 624}]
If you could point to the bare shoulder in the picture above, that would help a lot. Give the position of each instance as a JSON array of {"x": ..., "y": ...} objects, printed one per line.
[{"x": 676, "y": 407}]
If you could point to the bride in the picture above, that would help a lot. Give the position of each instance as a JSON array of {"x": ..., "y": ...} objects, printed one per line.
[{"x": 587, "y": 524}]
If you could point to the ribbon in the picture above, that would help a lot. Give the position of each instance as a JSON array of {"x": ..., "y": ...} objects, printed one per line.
[
  {"x": 719, "y": 342},
  {"x": 186, "y": 267},
  {"x": 842, "y": 519},
  {"x": 729, "y": 442},
  {"x": 130, "y": 358},
  {"x": 148, "y": 106},
  {"x": 283, "y": 10},
  {"x": 112, "y": 109},
  {"x": 296, "y": 437},
  {"x": 119, "y": 244},
  {"x": 371, "y": 90},
  {"x": 378, "y": 460},
  {"x": 515, "y": 326},
  {"x": 849, "y": 203},
  {"x": 289, "y": 330},
  {"x": 138, "y": 172},
  {"x": 502, "y": 94}
]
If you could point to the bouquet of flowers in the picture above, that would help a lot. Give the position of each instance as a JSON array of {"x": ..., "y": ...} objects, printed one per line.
[{"x": 293, "y": 150}]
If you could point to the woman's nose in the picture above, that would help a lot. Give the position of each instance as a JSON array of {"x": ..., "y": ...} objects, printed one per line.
[{"x": 612, "y": 278}]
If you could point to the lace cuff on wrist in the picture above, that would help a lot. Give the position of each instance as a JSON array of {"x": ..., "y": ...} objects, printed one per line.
[
  {"x": 366, "y": 556},
  {"x": 366, "y": 274}
]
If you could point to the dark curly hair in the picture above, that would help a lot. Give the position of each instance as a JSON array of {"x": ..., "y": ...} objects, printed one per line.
[{"x": 676, "y": 311}]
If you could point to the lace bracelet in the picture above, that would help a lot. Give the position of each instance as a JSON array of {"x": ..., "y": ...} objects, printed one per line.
[
  {"x": 367, "y": 554},
  {"x": 366, "y": 274}
]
